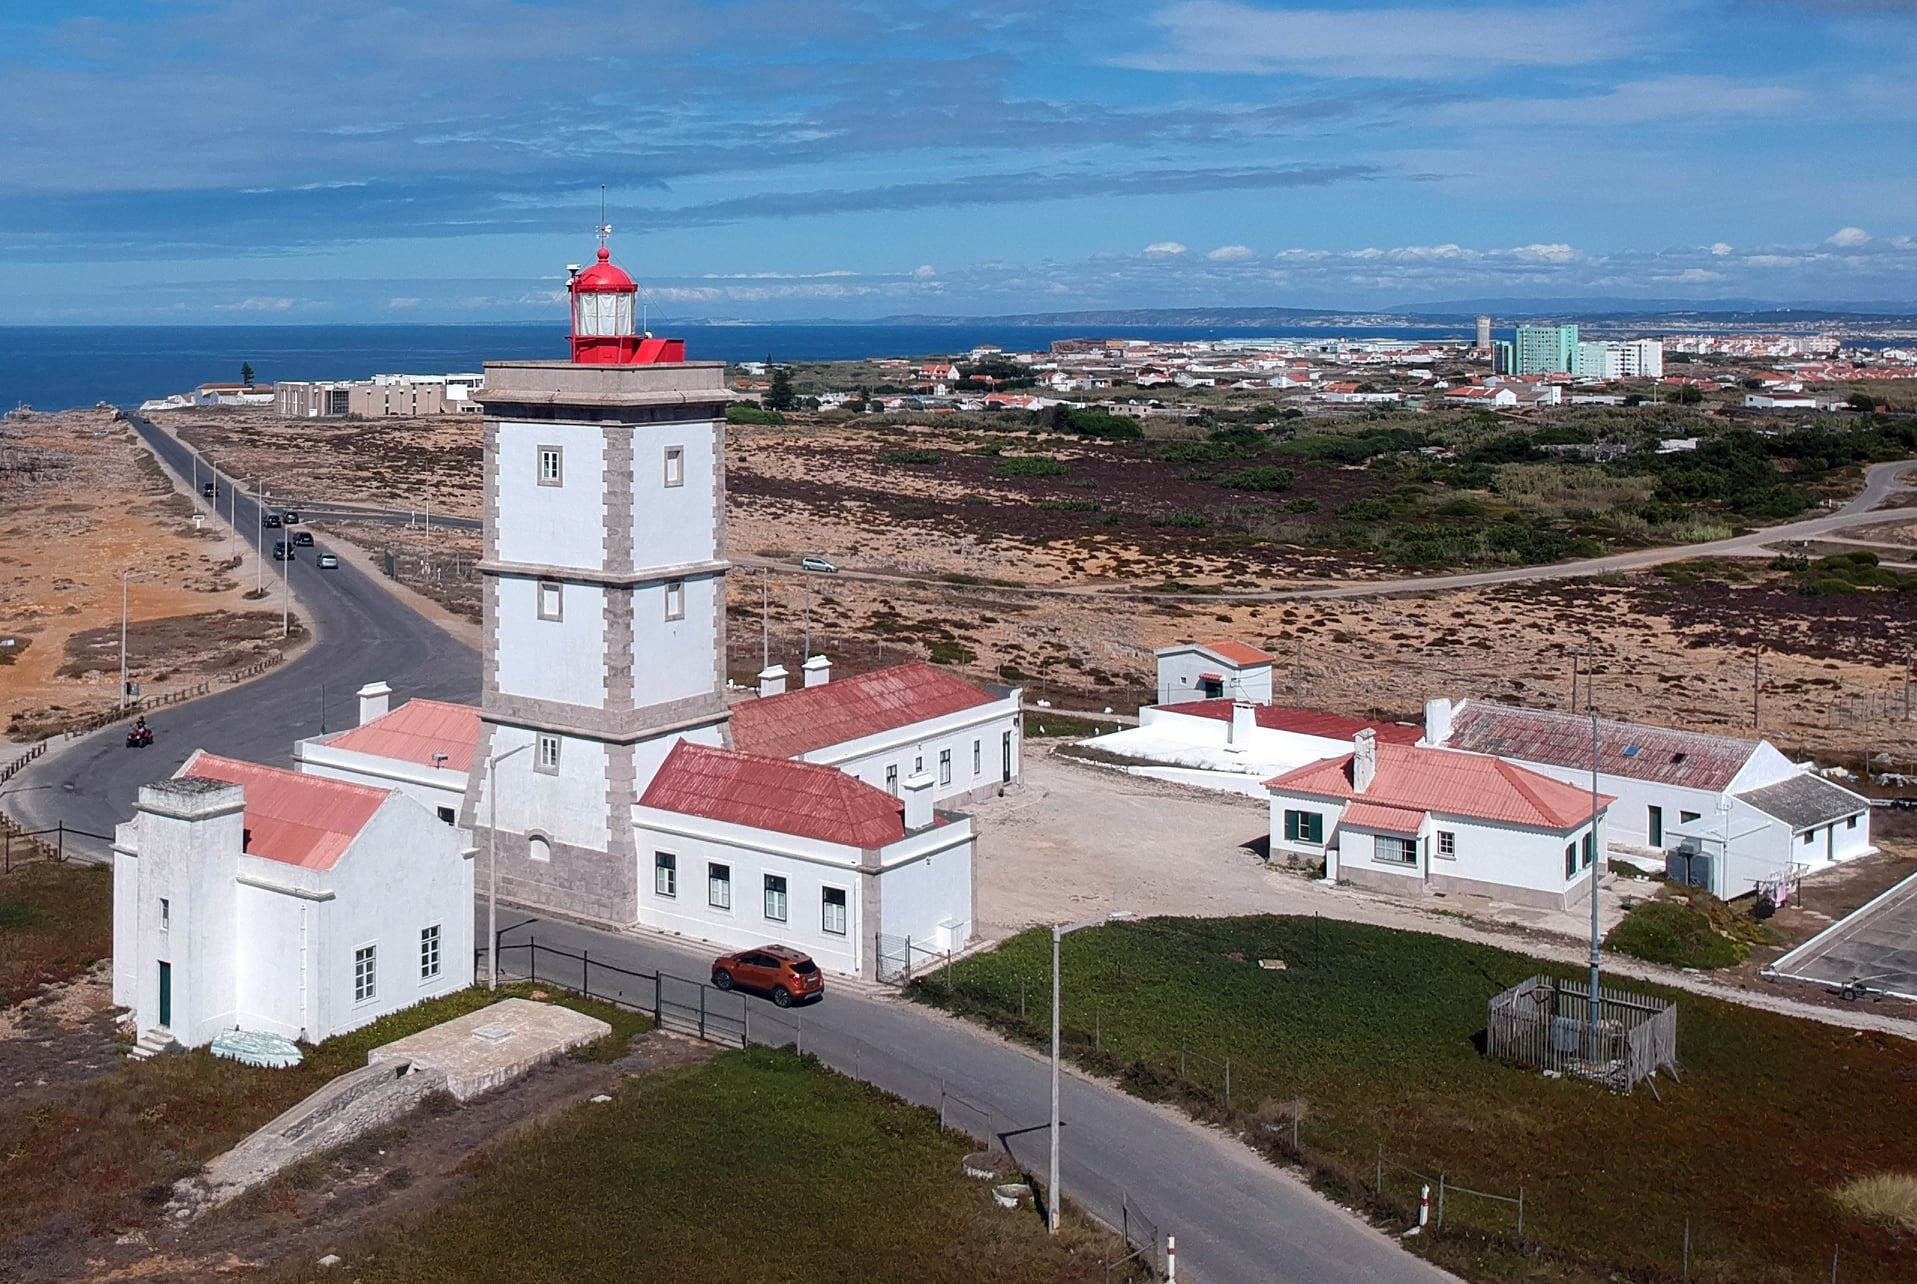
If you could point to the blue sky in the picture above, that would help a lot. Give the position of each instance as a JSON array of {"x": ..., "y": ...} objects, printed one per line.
[{"x": 207, "y": 161}]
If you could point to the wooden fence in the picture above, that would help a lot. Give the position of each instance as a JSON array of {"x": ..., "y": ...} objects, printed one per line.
[{"x": 1545, "y": 1022}]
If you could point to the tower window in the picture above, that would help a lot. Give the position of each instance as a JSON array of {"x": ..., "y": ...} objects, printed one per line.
[
  {"x": 675, "y": 599},
  {"x": 675, "y": 465},
  {"x": 550, "y": 600},
  {"x": 546, "y": 756},
  {"x": 552, "y": 466}
]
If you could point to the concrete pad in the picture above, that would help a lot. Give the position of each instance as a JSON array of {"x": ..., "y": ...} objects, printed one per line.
[
  {"x": 494, "y": 1045},
  {"x": 1876, "y": 947}
]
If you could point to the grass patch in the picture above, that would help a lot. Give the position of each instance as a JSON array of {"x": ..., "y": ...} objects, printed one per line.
[
  {"x": 56, "y": 920},
  {"x": 1889, "y": 1198},
  {"x": 1673, "y": 932},
  {"x": 918, "y": 458},
  {"x": 1030, "y": 466},
  {"x": 1058, "y": 726},
  {"x": 1258, "y": 477},
  {"x": 760, "y": 1166},
  {"x": 1377, "y": 1033}
]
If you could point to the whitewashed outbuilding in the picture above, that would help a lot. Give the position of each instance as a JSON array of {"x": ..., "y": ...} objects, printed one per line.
[
  {"x": 424, "y": 749},
  {"x": 1219, "y": 670}
]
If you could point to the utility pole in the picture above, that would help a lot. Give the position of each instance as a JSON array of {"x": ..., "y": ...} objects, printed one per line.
[
  {"x": 1597, "y": 865},
  {"x": 123, "y": 575},
  {"x": 1757, "y": 676},
  {"x": 286, "y": 593},
  {"x": 765, "y": 618},
  {"x": 259, "y": 539},
  {"x": 807, "y": 650},
  {"x": 1908, "y": 649}
]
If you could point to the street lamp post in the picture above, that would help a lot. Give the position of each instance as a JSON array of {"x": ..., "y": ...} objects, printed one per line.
[
  {"x": 123, "y": 579},
  {"x": 259, "y": 539},
  {"x": 1597, "y": 864},
  {"x": 492, "y": 863},
  {"x": 1059, "y": 933}
]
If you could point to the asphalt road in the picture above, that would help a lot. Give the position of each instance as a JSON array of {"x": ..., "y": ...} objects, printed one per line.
[
  {"x": 364, "y": 635},
  {"x": 1237, "y": 1218}
]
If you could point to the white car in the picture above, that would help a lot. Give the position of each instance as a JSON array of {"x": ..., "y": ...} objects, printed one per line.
[
  {"x": 328, "y": 562},
  {"x": 817, "y": 564}
]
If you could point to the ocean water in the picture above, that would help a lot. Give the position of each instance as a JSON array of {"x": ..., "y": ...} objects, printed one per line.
[{"x": 60, "y": 367}]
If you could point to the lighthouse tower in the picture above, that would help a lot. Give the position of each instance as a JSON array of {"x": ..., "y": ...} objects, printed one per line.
[{"x": 604, "y": 597}]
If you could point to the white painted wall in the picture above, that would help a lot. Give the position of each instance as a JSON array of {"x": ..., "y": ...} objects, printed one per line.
[
  {"x": 919, "y": 895},
  {"x": 542, "y": 523},
  {"x": 569, "y": 807},
  {"x": 431, "y": 787},
  {"x": 672, "y": 659},
  {"x": 1629, "y": 818},
  {"x": 673, "y": 525},
  {"x": 985, "y": 725},
  {"x": 1178, "y": 683},
  {"x": 563, "y": 659}
]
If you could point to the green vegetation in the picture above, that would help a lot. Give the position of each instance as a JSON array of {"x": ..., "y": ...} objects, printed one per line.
[
  {"x": 1092, "y": 422},
  {"x": 759, "y": 1166},
  {"x": 1182, "y": 517},
  {"x": 951, "y": 653},
  {"x": 1071, "y": 505},
  {"x": 1888, "y": 1198},
  {"x": 56, "y": 920},
  {"x": 744, "y": 412},
  {"x": 917, "y": 458},
  {"x": 1351, "y": 448},
  {"x": 1377, "y": 1034},
  {"x": 1260, "y": 477},
  {"x": 1030, "y": 466},
  {"x": 780, "y": 395},
  {"x": 1674, "y": 933},
  {"x": 1302, "y": 506}
]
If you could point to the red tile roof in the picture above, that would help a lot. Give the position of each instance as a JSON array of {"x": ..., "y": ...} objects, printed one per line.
[
  {"x": 1385, "y": 820},
  {"x": 1236, "y": 652},
  {"x": 1689, "y": 758},
  {"x": 1450, "y": 783},
  {"x": 307, "y": 821},
  {"x": 785, "y": 726},
  {"x": 1305, "y": 722},
  {"x": 786, "y": 797},
  {"x": 416, "y": 731}
]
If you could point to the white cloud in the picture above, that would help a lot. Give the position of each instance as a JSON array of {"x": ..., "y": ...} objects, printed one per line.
[
  {"x": 260, "y": 305},
  {"x": 1849, "y": 238},
  {"x": 1230, "y": 253},
  {"x": 1691, "y": 276},
  {"x": 924, "y": 270},
  {"x": 1165, "y": 247},
  {"x": 1720, "y": 248},
  {"x": 402, "y": 303},
  {"x": 1637, "y": 102},
  {"x": 1302, "y": 256},
  {"x": 1772, "y": 260},
  {"x": 1555, "y": 253}
]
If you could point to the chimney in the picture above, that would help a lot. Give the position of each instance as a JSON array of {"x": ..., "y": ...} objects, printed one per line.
[
  {"x": 1437, "y": 720},
  {"x": 1244, "y": 717},
  {"x": 918, "y": 802},
  {"x": 818, "y": 671},
  {"x": 1364, "y": 760},
  {"x": 374, "y": 698},
  {"x": 772, "y": 680}
]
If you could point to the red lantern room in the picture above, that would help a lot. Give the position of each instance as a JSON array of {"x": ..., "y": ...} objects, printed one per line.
[{"x": 604, "y": 310}]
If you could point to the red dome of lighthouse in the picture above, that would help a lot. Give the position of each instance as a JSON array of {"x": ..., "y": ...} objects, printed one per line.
[
  {"x": 604, "y": 318},
  {"x": 604, "y": 275}
]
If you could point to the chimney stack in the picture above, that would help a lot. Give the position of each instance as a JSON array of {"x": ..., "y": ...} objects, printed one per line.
[
  {"x": 917, "y": 794},
  {"x": 1364, "y": 760},
  {"x": 818, "y": 671},
  {"x": 772, "y": 680},
  {"x": 374, "y": 698},
  {"x": 1244, "y": 718},
  {"x": 1437, "y": 721}
]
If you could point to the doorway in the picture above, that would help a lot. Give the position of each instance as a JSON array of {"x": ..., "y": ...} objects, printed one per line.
[
  {"x": 166, "y": 995},
  {"x": 1657, "y": 826},
  {"x": 1005, "y": 763}
]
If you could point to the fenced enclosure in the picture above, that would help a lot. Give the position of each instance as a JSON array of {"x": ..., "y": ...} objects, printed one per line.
[{"x": 1547, "y": 1023}]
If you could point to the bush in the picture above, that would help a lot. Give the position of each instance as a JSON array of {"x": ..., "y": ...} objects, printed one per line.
[
  {"x": 744, "y": 412},
  {"x": 1071, "y": 505},
  {"x": 1890, "y": 1198},
  {"x": 1353, "y": 448},
  {"x": 1259, "y": 477},
  {"x": 1031, "y": 466},
  {"x": 1302, "y": 506},
  {"x": 1182, "y": 517},
  {"x": 1366, "y": 510},
  {"x": 923, "y": 458},
  {"x": 1674, "y": 933},
  {"x": 1191, "y": 452},
  {"x": 1101, "y": 424}
]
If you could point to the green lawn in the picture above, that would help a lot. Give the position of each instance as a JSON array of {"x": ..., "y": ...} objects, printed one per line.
[
  {"x": 758, "y": 1166},
  {"x": 1378, "y": 1032},
  {"x": 56, "y": 920}
]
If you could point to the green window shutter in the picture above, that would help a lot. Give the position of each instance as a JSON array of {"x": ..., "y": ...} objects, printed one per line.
[
  {"x": 1314, "y": 827},
  {"x": 1291, "y": 826}
]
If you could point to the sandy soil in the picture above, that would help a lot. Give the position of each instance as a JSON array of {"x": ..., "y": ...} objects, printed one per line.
[{"x": 80, "y": 502}]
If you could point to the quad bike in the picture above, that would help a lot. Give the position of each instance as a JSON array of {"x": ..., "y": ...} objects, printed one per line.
[{"x": 139, "y": 737}]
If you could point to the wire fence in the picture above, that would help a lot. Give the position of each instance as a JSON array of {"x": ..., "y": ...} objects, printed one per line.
[{"x": 21, "y": 846}]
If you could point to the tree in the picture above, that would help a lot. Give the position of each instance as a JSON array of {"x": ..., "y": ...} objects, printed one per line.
[
  {"x": 780, "y": 396},
  {"x": 246, "y": 373},
  {"x": 1688, "y": 395},
  {"x": 1863, "y": 401}
]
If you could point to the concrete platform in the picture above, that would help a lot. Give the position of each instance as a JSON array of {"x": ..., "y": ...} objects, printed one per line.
[
  {"x": 1875, "y": 947},
  {"x": 494, "y": 1045}
]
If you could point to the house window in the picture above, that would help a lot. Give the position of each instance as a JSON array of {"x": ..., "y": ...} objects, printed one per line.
[
  {"x": 675, "y": 465},
  {"x": 1850, "y": 822},
  {"x": 1686, "y": 817},
  {"x": 1393, "y": 850},
  {"x": 448, "y": 816},
  {"x": 1810, "y": 835},
  {"x": 775, "y": 898},
  {"x": 1304, "y": 827},
  {"x": 945, "y": 766},
  {"x": 978, "y": 757},
  {"x": 892, "y": 780},
  {"x": 665, "y": 874},
  {"x": 546, "y": 756},
  {"x": 166, "y": 914},
  {"x": 675, "y": 599},
  {"x": 552, "y": 470},
  {"x": 549, "y": 600},
  {"x": 719, "y": 886},
  {"x": 539, "y": 848},
  {"x": 1570, "y": 860},
  {"x": 429, "y": 952},
  {"x": 1654, "y": 826},
  {"x": 1590, "y": 848},
  {"x": 918, "y": 765},
  {"x": 832, "y": 911},
  {"x": 1448, "y": 844},
  {"x": 365, "y": 973}
]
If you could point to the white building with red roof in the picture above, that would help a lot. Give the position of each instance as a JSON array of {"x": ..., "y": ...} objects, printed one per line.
[
  {"x": 1217, "y": 670},
  {"x": 249, "y": 897},
  {"x": 1234, "y": 745},
  {"x": 425, "y": 749},
  {"x": 1411, "y": 819}
]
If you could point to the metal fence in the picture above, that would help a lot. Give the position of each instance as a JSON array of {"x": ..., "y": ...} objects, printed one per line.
[
  {"x": 1547, "y": 1023},
  {"x": 21, "y": 846}
]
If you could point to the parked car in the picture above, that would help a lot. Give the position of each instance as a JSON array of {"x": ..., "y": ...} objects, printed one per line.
[
  {"x": 817, "y": 564},
  {"x": 210, "y": 489},
  {"x": 777, "y": 970},
  {"x": 270, "y": 519},
  {"x": 327, "y": 562},
  {"x": 290, "y": 517},
  {"x": 303, "y": 539},
  {"x": 282, "y": 552}
]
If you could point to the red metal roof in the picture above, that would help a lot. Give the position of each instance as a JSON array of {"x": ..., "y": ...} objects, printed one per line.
[
  {"x": 604, "y": 276},
  {"x": 1236, "y": 652},
  {"x": 1305, "y": 722},
  {"x": 1385, "y": 820},
  {"x": 416, "y": 731},
  {"x": 307, "y": 821},
  {"x": 797, "y": 722},
  {"x": 786, "y": 797},
  {"x": 1450, "y": 783},
  {"x": 1633, "y": 750}
]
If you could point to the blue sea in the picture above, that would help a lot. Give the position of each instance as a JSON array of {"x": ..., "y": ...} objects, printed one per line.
[{"x": 60, "y": 367}]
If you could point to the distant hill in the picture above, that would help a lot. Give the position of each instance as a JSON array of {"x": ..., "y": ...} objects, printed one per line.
[{"x": 1134, "y": 318}]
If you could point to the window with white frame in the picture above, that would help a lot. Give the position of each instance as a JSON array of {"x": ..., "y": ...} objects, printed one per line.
[
  {"x": 1390, "y": 849},
  {"x": 166, "y": 914},
  {"x": 551, "y": 601},
  {"x": 665, "y": 873},
  {"x": 429, "y": 952},
  {"x": 832, "y": 911},
  {"x": 552, "y": 467},
  {"x": 675, "y": 599},
  {"x": 892, "y": 780},
  {"x": 719, "y": 886},
  {"x": 539, "y": 848},
  {"x": 775, "y": 897},
  {"x": 546, "y": 756},
  {"x": 366, "y": 974},
  {"x": 1448, "y": 844},
  {"x": 918, "y": 765},
  {"x": 945, "y": 766},
  {"x": 675, "y": 465}
]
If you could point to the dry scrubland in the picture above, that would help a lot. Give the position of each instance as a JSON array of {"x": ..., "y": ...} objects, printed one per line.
[
  {"x": 81, "y": 501},
  {"x": 1010, "y": 569}
]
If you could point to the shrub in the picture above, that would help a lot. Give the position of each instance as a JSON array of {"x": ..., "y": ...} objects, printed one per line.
[
  {"x": 1366, "y": 510},
  {"x": 1071, "y": 505},
  {"x": 1030, "y": 466},
  {"x": 1302, "y": 506},
  {"x": 1354, "y": 448},
  {"x": 1101, "y": 424},
  {"x": 951, "y": 653},
  {"x": 1890, "y": 1198},
  {"x": 1182, "y": 517},
  {"x": 1672, "y": 932},
  {"x": 744, "y": 412},
  {"x": 1461, "y": 508},
  {"x": 1259, "y": 477},
  {"x": 1191, "y": 452},
  {"x": 922, "y": 458}
]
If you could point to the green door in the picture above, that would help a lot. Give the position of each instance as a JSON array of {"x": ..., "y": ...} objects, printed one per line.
[
  {"x": 166, "y": 995},
  {"x": 1656, "y": 826}
]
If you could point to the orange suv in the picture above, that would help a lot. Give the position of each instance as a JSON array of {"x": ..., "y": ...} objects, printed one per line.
[{"x": 778, "y": 970}]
